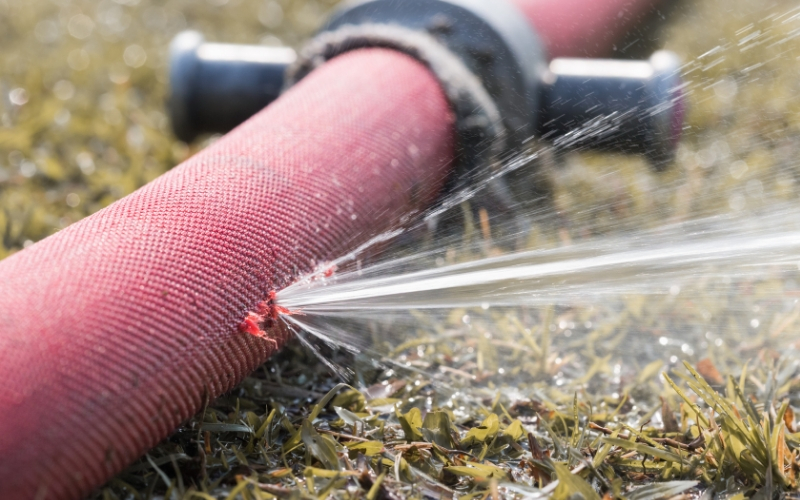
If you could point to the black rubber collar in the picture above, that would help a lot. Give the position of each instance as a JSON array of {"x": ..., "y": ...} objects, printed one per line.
[{"x": 479, "y": 125}]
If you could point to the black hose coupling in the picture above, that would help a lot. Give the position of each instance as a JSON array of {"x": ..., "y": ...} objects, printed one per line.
[
  {"x": 214, "y": 87},
  {"x": 627, "y": 106}
]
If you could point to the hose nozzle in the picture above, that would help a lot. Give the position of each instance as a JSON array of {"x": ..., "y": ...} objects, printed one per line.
[
  {"x": 214, "y": 87},
  {"x": 615, "y": 105}
]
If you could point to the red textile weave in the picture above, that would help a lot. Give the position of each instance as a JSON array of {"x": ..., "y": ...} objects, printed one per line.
[
  {"x": 112, "y": 330},
  {"x": 584, "y": 28}
]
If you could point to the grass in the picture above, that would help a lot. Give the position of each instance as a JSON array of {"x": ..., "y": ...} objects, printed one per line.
[
  {"x": 642, "y": 397},
  {"x": 612, "y": 429}
]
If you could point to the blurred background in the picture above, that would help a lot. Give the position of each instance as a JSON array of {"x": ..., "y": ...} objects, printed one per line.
[{"x": 83, "y": 86}]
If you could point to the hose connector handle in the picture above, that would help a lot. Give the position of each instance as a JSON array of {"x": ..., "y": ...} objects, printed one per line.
[
  {"x": 214, "y": 87},
  {"x": 626, "y": 106},
  {"x": 615, "y": 105}
]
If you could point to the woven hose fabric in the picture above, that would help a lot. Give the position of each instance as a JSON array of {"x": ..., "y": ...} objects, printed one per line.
[
  {"x": 585, "y": 28},
  {"x": 116, "y": 329}
]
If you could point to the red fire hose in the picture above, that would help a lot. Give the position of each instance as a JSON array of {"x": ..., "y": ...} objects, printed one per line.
[
  {"x": 582, "y": 28},
  {"x": 116, "y": 329}
]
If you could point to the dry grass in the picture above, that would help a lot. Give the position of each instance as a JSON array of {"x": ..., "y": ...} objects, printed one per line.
[{"x": 580, "y": 397}]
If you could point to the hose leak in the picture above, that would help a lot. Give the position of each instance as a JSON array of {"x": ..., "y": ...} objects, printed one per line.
[{"x": 701, "y": 267}]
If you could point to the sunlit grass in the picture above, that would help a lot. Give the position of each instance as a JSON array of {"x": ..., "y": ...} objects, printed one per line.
[{"x": 503, "y": 404}]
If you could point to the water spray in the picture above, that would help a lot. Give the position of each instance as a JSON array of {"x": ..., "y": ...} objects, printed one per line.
[{"x": 121, "y": 326}]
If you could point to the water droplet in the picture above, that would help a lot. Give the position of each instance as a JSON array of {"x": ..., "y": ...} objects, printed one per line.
[
  {"x": 73, "y": 200},
  {"x": 119, "y": 74},
  {"x": 62, "y": 117},
  {"x": 134, "y": 56},
  {"x": 15, "y": 158},
  {"x": 64, "y": 90},
  {"x": 754, "y": 188},
  {"x": 113, "y": 17},
  {"x": 80, "y": 26},
  {"x": 726, "y": 89},
  {"x": 270, "y": 14},
  {"x": 78, "y": 59},
  {"x": 27, "y": 169},
  {"x": 85, "y": 162},
  {"x": 271, "y": 41},
  {"x": 706, "y": 157},
  {"x": 18, "y": 96},
  {"x": 47, "y": 31},
  {"x": 135, "y": 137},
  {"x": 663, "y": 340},
  {"x": 721, "y": 148},
  {"x": 738, "y": 169},
  {"x": 736, "y": 201}
]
